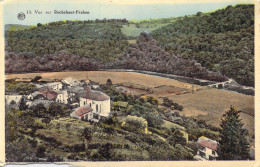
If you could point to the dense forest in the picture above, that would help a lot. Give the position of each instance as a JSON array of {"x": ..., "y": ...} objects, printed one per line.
[
  {"x": 221, "y": 41},
  {"x": 147, "y": 55},
  {"x": 103, "y": 41},
  {"x": 61, "y": 61}
]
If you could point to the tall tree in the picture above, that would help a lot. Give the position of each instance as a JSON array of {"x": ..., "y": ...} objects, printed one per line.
[
  {"x": 233, "y": 137},
  {"x": 23, "y": 105}
]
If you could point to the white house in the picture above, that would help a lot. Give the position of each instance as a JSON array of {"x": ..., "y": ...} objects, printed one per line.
[
  {"x": 35, "y": 95},
  {"x": 98, "y": 101},
  {"x": 13, "y": 100},
  {"x": 70, "y": 82},
  {"x": 54, "y": 85},
  {"x": 207, "y": 149},
  {"x": 62, "y": 97}
]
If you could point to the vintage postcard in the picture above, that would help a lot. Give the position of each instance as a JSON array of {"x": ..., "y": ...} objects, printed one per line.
[{"x": 129, "y": 82}]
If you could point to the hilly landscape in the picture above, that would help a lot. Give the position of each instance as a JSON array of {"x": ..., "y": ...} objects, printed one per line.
[
  {"x": 209, "y": 46},
  {"x": 132, "y": 90}
]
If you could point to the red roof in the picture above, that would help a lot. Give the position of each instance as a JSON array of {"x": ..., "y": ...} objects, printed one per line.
[
  {"x": 49, "y": 94},
  {"x": 83, "y": 110},
  {"x": 206, "y": 142}
]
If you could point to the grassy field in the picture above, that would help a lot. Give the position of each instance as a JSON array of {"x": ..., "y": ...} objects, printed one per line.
[
  {"x": 206, "y": 104},
  {"x": 134, "y": 30}
]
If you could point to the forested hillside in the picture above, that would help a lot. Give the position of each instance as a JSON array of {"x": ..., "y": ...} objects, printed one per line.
[
  {"x": 147, "y": 55},
  {"x": 221, "y": 41},
  {"x": 60, "y": 61},
  {"x": 102, "y": 40}
]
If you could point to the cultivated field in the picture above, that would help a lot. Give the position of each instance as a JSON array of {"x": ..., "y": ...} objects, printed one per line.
[{"x": 207, "y": 104}]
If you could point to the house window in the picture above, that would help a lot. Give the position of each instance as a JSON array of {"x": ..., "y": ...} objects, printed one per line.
[
  {"x": 90, "y": 104},
  {"x": 96, "y": 108},
  {"x": 213, "y": 152},
  {"x": 202, "y": 154},
  {"x": 84, "y": 103},
  {"x": 202, "y": 148}
]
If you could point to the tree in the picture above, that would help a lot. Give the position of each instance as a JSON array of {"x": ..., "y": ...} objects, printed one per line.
[
  {"x": 39, "y": 25},
  {"x": 87, "y": 134},
  {"x": 176, "y": 138},
  {"x": 40, "y": 152},
  {"x": 233, "y": 137},
  {"x": 109, "y": 82},
  {"x": 22, "y": 105},
  {"x": 35, "y": 79},
  {"x": 39, "y": 110},
  {"x": 46, "y": 120}
]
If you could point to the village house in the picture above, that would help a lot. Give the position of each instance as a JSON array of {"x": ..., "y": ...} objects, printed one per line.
[
  {"x": 84, "y": 113},
  {"x": 35, "y": 95},
  {"x": 70, "y": 82},
  {"x": 98, "y": 101},
  {"x": 207, "y": 149},
  {"x": 13, "y": 101},
  {"x": 54, "y": 85},
  {"x": 62, "y": 97},
  {"x": 48, "y": 94}
]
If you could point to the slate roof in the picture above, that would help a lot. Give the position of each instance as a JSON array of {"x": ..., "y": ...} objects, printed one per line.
[
  {"x": 76, "y": 89},
  {"x": 34, "y": 94},
  {"x": 94, "y": 95},
  {"x": 206, "y": 142},
  {"x": 52, "y": 83},
  {"x": 46, "y": 103}
]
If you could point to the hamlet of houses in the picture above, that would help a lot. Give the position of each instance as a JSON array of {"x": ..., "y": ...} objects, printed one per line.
[{"x": 88, "y": 104}]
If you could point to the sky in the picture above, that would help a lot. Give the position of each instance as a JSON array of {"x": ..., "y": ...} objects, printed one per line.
[{"x": 100, "y": 9}]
